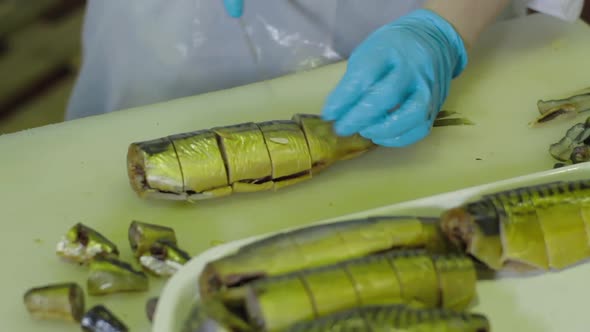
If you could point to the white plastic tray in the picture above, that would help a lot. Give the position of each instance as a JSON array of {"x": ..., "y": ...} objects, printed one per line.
[{"x": 548, "y": 302}]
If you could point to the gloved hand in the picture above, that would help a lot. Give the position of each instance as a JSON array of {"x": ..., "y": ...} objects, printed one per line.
[
  {"x": 408, "y": 63},
  {"x": 234, "y": 7}
]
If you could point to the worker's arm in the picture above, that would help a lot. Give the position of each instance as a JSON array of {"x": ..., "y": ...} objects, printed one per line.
[
  {"x": 397, "y": 80},
  {"x": 469, "y": 17}
]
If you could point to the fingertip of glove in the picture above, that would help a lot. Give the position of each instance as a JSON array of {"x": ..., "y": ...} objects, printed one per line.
[
  {"x": 330, "y": 112},
  {"x": 404, "y": 140},
  {"x": 367, "y": 133},
  {"x": 339, "y": 130},
  {"x": 327, "y": 118},
  {"x": 344, "y": 129},
  {"x": 391, "y": 143}
]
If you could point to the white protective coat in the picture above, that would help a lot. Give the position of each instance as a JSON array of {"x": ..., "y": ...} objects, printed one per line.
[{"x": 138, "y": 52}]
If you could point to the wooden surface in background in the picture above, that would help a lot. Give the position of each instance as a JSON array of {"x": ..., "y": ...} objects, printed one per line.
[{"x": 39, "y": 59}]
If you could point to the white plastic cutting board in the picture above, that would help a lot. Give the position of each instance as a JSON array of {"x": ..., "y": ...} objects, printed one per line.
[{"x": 56, "y": 176}]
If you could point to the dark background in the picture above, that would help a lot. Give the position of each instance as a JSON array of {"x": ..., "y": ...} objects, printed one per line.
[{"x": 586, "y": 11}]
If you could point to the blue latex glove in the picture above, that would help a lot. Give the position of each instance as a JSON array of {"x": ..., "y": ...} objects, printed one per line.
[
  {"x": 234, "y": 7},
  {"x": 408, "y": 63}
]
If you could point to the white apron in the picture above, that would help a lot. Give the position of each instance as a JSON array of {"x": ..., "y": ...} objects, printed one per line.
[{"x": 138, "y": 52}]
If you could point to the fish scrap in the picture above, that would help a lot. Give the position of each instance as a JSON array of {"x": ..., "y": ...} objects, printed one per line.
[
  {"x": 243, "y": 158},
  {"x": 561, "y": 108},
  {"x": 150, "y": 308},
  {"x": 574, "y": 147}
]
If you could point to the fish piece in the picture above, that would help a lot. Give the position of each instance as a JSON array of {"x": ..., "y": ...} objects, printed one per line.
[
  {"x": 583, "y": 199},
  {"x": 371, "y": 290},
  {"x": 395, "y": 318},
  {"x": 454, "y": 272},
  {"x": 101, "y": 319},
  {"x": 108, "y": 276},
  {"x": 156, "y": 248},
  {"x": 217, "y": 162},
  {"x": 411, "y": 278},
  {"x": 246, "y": 156},
  {"x": 199, "y": 153},
  {"x": 558, "y": 208},
  {"x": 287, "y": 147},
  {"x": 544, "y": 227},
  {"x": 82, "y": 243},
  {"x": 142, "y": 235},
  {"x": 418, "y": 279},
  {"x": 327, "y": 148},
  {"x": 318, "y": 245},
  {"x": 586, "y": 216},
  {"x": 164, "y": 258},
  {"x": 58, "y": 301},
  {"x": 523, "y": 236},
  {"x": 278, "y": 302},
  {"x": 154, "y": 170},
  {"x": 212, "y": 316}
]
